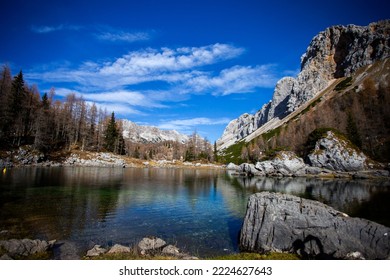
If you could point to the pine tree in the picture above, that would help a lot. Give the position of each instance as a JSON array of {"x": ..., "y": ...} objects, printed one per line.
[
  {"x": 18, "y": 93},
  {"x": 111, "y": 134},
  {"x": 215, "y": 152}
]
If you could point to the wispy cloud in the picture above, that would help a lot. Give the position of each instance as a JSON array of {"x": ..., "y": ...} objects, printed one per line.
[
  {"x": 191, "y": 124},
  {"x": 122, "y": 36},
  {"x": 103, "y": 33},
  {"x": 49, "y": 29}
]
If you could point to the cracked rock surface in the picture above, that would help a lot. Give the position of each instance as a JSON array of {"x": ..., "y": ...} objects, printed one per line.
[{"x": 285, "y": 223}]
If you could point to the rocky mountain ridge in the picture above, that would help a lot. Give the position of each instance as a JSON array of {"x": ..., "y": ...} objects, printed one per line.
[
  {"x": 334, "y": 53},
  {"x": 150, "y": 134}
]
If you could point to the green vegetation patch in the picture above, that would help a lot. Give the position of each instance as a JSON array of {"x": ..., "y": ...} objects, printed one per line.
[
  {"x": 269, "y": 134},
  {"x": 130, "y": 256},
  {"x": 343, "y": 84},
  {"x": 233, "y": 153},
  {"x": 256, "y": 256}
]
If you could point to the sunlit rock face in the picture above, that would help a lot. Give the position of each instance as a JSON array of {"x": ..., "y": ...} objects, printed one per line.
[
  {"x": 334, "y": 53},
  {"x": 150, "y": 134}
]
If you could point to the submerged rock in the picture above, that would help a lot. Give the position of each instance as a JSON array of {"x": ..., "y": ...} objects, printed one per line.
[{"x": 285, "y": 223}]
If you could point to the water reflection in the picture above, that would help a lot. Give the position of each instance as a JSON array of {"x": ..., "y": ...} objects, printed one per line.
[
  {"x": 199, "y": 210},
  {"x": 348, "y": 196}
]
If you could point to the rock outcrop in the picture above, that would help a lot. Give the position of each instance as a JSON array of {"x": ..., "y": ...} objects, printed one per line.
[
  {"x": 334, "y": 53},
  {"x": 285, "y": 223},
  {"x": 95, "y": 159},
  {"x": 19, "y": 248},
  {"x": 334, "y": 153},
  {"x": 285, "y": 163}
]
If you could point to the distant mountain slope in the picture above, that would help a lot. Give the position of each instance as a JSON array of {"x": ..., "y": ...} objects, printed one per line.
[
  {"x": 150, "y": 134},
  {"x": 337, "y": 52}
]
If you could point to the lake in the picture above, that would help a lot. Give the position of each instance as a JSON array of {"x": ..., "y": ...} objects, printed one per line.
[{"x": 201, "y": 211}]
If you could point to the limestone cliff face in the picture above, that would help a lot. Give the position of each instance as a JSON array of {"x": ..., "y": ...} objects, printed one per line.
[{"x": 334, "y": 53}]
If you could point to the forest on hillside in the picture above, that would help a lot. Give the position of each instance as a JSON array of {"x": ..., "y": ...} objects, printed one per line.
[{"x": 49, "y": 124}]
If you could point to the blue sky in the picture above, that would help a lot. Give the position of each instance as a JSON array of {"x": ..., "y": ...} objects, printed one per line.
[{"x": 186, "y": 65}]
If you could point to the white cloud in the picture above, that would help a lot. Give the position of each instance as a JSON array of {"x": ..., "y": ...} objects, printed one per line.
[
  {"x": 152, "y": 61},
  {"x": 176, "y": 73},
  {"x": 237, "y": 79},
  {"x": 167, "y": 65}
]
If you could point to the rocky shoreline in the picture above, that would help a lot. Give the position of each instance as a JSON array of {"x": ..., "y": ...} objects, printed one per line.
[
  {"x": 148, "y": 247},
  {"x": 27, "y": 156},
  {"x": 332, "y": 157}
]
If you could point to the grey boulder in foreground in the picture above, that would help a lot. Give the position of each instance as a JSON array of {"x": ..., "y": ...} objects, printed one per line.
[{"x": 277, "y": 222}]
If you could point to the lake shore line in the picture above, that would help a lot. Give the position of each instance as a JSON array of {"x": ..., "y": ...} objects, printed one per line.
[{"x": 25, "y": 156}]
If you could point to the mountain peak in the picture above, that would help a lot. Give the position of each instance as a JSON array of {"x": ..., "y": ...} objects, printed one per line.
[
  {"x": 150, "y": 134},
  {"x": 335, "y": 52}
]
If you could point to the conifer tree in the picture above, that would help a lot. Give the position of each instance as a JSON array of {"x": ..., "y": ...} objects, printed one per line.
[
  {"x": 215, "y": 152},
  {"x": 111, "y": 134},
  {"x": 5, "y": 102}
]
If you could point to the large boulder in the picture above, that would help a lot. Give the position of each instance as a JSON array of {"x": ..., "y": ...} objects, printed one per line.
[
  {"x": 335, "y": 153},
  {"x": 286, "y": 223}
]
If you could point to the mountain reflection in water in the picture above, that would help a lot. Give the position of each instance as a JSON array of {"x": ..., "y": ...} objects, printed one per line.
[{"x": 199, "y": 210}]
